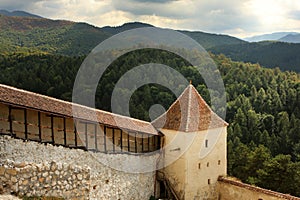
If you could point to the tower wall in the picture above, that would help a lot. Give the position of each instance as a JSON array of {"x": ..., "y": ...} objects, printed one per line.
[
  {"x": 202, "y": 173},
  {"x": 191, "y": 176}
]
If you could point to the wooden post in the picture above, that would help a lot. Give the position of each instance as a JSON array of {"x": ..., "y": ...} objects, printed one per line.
[
  {"x": 128, "y": 142},
  {"x": 65, "y": 132},
  {"x": 121, "y": 138},
  {"x": 113, "y": 139},
  {"x": 148, "y": 143},
  {"x": 75, "y": 133},
  {"x": 52, "y": 129},
  {"x": 39, "y": 125},
  {"x": 86, "y": 136},
  {"x": 135, "y": 143},
  {"x": 142, "y": 142},
  {"x": 25, "y": 124},
  {"x": 96, "y": 144},
  {"x": 10, "y": 119},
  {"x": 104, "y": 138}
]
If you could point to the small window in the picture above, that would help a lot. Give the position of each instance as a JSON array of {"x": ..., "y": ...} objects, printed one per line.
[
  {"x": 199, "y": 166},
  {"x": 206, "y": 143},
  {"x": 207, "y": 164},
  {"x": 208, "y": 181},
  {"x": 219, "y": 162}
]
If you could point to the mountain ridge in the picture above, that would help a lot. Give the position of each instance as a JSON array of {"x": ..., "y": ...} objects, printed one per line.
[
  {"x": 18, "y": 13},
  {"x": 276, "y": 36},
  {"x": 30, "y": 35},
  {"x": 25, "y": 29},
  {"x": 291, "y": 38}
]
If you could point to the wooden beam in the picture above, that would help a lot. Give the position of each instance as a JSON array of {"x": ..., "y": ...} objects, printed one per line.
[
  {"x": 39, "y": 125},
  {"x": 96, "y": 143},
  {"x": 121, "y": 138},
  {"x": 148, "y": 143},
  {"x": 75, "y": 133},
  {"x": 17, "y": 108},
  {"x": 135, "y": 143},
  {"x": 86, "y": 136},
  {"x": 65, "y": 132},
  {"x": 52, "y": 129},
  {"x": 25, "y": 124},
  {"x": 10, "y": 119},
  {"x": 142, "y": 142},
  {"x": 104, "y": 138},
  {"x": 128, "y": 142},
  {"x": 113, "y": 139}
]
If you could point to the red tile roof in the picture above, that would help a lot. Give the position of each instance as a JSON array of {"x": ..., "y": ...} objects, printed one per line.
[
  {"x": 22, "y": 98},
  {"x": 189, "y": 113}
]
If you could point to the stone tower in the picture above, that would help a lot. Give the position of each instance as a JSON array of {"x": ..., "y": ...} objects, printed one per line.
[{"x": 194, "y": 153}]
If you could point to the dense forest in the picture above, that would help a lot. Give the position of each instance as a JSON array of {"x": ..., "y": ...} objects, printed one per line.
[
  {"x": 262, "y": 106},
  {"x": 268, "y": 53}
]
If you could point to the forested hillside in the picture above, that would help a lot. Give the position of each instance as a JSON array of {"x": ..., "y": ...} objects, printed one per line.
[
  {"x": 262, "y": 106},
  {"x": 28, "y": 35},
  {"x": 269, "y": 54}
]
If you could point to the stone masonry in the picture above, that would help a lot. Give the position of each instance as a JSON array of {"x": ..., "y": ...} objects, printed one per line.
[
  {"x": 45, "y": 179},
  {"x": 105, "y": 182}
]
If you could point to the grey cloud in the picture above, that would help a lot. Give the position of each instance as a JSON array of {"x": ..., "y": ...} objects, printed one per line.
[
  {"x": 17, "y": 5},
  {"x": 212, "y": 15},
  {"x": 145, "y": 7},
  {"x": 224, "y": 16}
]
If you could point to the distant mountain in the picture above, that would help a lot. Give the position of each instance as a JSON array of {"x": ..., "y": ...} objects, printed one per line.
[
  {"x": 69, "y": 38},
  {"x": 18, "y": 13},
  {"x": 31, "y": 35},
  {"x": 291, "y": 38},
  {"x": 268, "y": 37}
]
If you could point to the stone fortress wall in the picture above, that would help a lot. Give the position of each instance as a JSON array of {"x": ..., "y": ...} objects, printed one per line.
[
  {"x": 229, "y": 189},
  {"x": 24, "y": 161},
  {"x": 45, "y": 179}
]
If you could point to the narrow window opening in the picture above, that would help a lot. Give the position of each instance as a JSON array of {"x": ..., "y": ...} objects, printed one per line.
[
  {"x": 199, "y": 166},
  {"x": 219, "y": 162},
  {"x": 207, "y": 164},
  {"x": 206, "y": 143},
  {"x": 208, "y": 181}
]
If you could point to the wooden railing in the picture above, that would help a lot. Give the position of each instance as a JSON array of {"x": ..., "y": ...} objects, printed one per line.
[{"x": 80, "y": 134}]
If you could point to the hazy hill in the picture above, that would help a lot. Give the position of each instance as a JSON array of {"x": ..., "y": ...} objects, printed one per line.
[
  {"x": 18, "y": 13},
  {"x": 265, "y": 37},
  {"x": 291, "y": 38}
]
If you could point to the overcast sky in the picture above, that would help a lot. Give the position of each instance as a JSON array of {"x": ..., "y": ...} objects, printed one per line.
[{"x": 235, "y": 17}]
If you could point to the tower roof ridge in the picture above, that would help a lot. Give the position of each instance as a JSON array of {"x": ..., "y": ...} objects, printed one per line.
[{"x": 189, "y": 113}]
